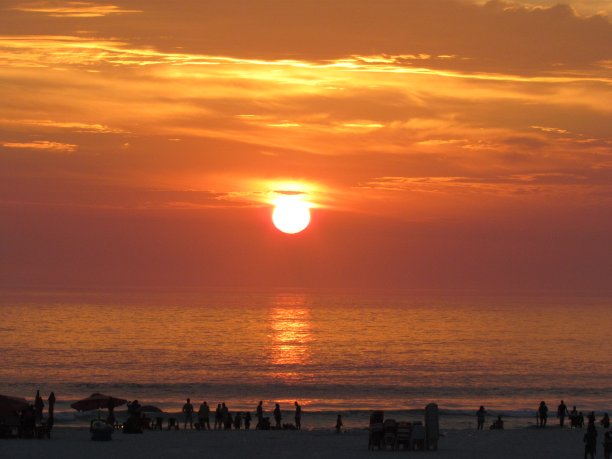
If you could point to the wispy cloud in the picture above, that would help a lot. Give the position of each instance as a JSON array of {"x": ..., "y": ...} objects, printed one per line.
[
  {"x": 72, "y": 9},
  {"x": 74, "y": 126},
  {"x": 42, "y": 145}
]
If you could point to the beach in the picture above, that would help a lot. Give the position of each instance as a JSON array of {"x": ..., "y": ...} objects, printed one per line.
[{"x": 69, "y": 443}]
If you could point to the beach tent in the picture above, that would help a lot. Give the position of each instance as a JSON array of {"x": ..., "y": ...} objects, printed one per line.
[
  {"x": 9, "y": 405},
  {"x": 150, "y": 409}
]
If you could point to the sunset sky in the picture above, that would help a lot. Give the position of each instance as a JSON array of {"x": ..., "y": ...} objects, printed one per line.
[{"x": 442, "y": 144}]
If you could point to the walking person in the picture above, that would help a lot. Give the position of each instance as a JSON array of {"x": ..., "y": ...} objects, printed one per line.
[
  {"x": 277, "y": 416},
  {"x": 590, "y": 442},
  {"x": 188, "y": 412},
  {"x": 480, "y": 417},
  {"x": 561, "y": 413},
  {"x": 247, "y": 421},
  {"x": 298, "y": 416}
]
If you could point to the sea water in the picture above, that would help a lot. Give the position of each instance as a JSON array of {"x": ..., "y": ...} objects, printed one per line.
[{"x": 335, "y": 352}]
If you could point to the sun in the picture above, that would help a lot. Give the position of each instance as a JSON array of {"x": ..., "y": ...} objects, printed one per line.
[{"x": 291, "y": 214}]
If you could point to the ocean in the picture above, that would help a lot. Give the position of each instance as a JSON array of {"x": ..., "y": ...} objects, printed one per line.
[{"x": 336, "y": 352}]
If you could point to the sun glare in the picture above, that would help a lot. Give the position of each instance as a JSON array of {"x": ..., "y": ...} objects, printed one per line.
[{"x": 291, "y": 214}]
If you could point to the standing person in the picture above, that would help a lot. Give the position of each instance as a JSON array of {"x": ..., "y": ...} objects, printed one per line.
[
  {"x": 573, "y": 416},
  {"x": 298, "y": 416},
  {"x": 218, "y": 417},
  {"x": 542, "y": 414},
  {"x": 277, "y": 416},
  {"x": 226, "y": 417},
  {"x": 339, "y": 424},
  {"x": 247, "y": 421},
  {"x": 51, "y": 401},
  {"x": 238, "y": 421},
  {"x": 590, "y": 441},
  {"x": 203, "y": 416},
  {"x": 480, "y": 417},
  {"x": 259, "y": 413},
  {"x": 561, "y": 413},
  {"x": 591, "y": 418},
  {"x": 188, "y": 412}
]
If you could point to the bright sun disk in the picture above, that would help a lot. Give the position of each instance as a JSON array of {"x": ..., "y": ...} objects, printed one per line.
[{"x": 291, "y": 215}]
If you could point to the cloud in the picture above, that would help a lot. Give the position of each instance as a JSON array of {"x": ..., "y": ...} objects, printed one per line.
[
  {"x": 63, "y": 9},
  {"x": 545, "y": 183},
  {"x": 42, "y": 145},
  {"x": 74, "y": 126}
]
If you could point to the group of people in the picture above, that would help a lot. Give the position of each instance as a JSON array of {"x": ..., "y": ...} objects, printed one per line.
[
  {"x": 224, "y": 419},
  {"x": 575, "y": 417},
  {"x": 481, "y": 414},
  {"x": 576, "y": 420}
]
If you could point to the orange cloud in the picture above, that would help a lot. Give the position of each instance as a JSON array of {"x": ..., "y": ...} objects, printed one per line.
[
  {"x": 69, "y": 9},
  {"x": 42, "y": 145}
]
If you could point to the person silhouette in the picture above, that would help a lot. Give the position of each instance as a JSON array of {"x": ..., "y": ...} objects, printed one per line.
[
  {"x": 259, "y": 412},
  {"x": 590, "y": 442},
  {"x": 204, "y": 416},
  {"x": 237, "y": 421},
  {"x": 542, "y": 414},
  {"x": 298, "y": 416},
  {"x": 573, "y": 416},
  {"x": 480, "y": 417},
  {"x": 218, "y": 417},
  {"x": 339, "y": 424},
  {"x": 561, "y": 413},
  {"x": 247, "y": 421},
  {"x": 277, "y": 416},
  {"x": 188, "y": 412}
]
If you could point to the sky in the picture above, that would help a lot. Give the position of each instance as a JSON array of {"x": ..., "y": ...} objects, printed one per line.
[{"x": 442, "y": 145}]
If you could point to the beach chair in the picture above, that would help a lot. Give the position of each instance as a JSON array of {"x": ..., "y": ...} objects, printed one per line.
[
  {"x": 42, "y": 429},
  {"x": 173, "y": 424},
  {"x": 10, "y": 427},
  {"x": 403, "y": 437},
  {"x": 375, "y": 436},
  {"x": 432, "y": 426},
  {"x": 389, "y": 433},
  {"x": 417, "y": 436},
  {"x": 101, "y": 430},
  {"x": 158, "y": 423}
]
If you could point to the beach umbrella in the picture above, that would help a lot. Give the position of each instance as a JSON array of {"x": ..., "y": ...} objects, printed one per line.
[
  {"x": 97, "y": 401},
  {"x": 51, "y": 407},
  {"x": 150, "y": 409},
  {"x": 11, "y": 405},
  {"x": 39, "y": 405}
]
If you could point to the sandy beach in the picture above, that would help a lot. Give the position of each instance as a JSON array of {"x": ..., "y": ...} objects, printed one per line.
[{"x": 68, "y": 443}]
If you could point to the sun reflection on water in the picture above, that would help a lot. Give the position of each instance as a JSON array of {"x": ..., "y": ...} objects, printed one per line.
[{"x": 291, "y": 334}]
